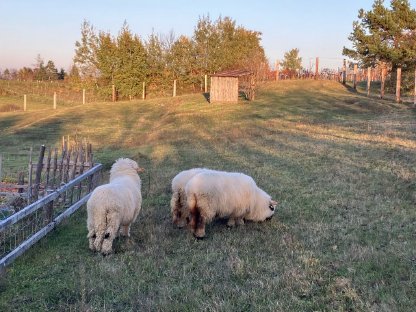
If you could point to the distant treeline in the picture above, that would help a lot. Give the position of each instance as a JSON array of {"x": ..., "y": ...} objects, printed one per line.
[{"x": 127, "y": 60}]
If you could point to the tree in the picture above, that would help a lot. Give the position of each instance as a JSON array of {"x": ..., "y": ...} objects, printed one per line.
[
  {"x": 131, "y": 63},
  {"x": 61, "y": 74},
  {"x": 86, "y": 52},
  {"x": 51, "y": 71},
  {"x": 25, "y": 73},
  {"x": 181, "y": 60},
  {"x": 222, "y": 45},
  {"x": 39, "y": 72},
  {"x": 6, "y": 74},
  {"x": 292, "y": 62},
  {"x": 384, "y": 36},
  {"x": 74, "y": 76}
]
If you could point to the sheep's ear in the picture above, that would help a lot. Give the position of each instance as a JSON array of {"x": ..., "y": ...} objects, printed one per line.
[{"x": 140, "y": 169}]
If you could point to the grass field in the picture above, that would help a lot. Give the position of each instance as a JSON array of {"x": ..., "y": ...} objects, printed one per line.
[{"x": 342, "y": 166}]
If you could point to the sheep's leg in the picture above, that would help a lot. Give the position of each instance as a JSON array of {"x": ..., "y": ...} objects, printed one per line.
[
  {"x": 113, "y": 224},
  {"x": 197, "y": 223},
  {"x": 239, "y": 221},
  {"x": 91, "y": 238},
  {"x": 231, "y": 222},
  {"x": 125, "y": 230},
  {"x": 178, "y": 204}
]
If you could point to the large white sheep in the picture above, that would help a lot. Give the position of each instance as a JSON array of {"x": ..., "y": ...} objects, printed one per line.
[
  {"x": 113, "y": 207},
  {"x": 178, "y": 202},
  {"x": 226, "y": 195}
]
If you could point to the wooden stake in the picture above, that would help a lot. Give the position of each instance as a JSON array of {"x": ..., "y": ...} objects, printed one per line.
[
  {"x": 368, "y": 80},
  {"x": 383, "y": 80},
  {"x": 317, "y": 68},
  {"x": 54, "y": 100},
  {"x": 355, "y": 77},
  {"x": 83, "y": 96},
  {"x": 114, "y": 93},
  {"x": 398, "y": 83},
  {"x": 276, "y": 67},
  {"x": 174, "y": 87},
  {"x": 344, "y": 72},
  {"x": 414, "y": 92},
  {"x": 144, "y": 91},
  {"x": 38, "y": 174},
  {"x": 1, "y": 164},
  {"x": 206, "y": 84},
  {"x": 24, "y": 102}
]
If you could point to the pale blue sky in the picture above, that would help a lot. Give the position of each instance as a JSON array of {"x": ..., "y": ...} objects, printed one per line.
[{"x": 51, "y": 27}]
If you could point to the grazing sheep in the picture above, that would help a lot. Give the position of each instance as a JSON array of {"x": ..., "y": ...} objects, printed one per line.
[
  {"x": 178, "y": 201},
  {"x": 226, "y": 195},
  {"x": 113, "y": 207}
]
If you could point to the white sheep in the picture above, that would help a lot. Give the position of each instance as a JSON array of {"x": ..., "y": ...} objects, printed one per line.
[
  {"x": 178, "y": 201},
  {"x": 225, "y": 195},
  {"x": 113, "y": 207}
]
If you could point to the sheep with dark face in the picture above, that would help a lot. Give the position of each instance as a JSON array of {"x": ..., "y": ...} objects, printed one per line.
[
  {"x": 178, "y": 207},
  {"x": 229, "y": 195},
  {"x": 113, "y": 207}
]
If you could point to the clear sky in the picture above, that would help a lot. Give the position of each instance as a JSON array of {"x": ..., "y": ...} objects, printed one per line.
[{"x": 51, "y": 27}]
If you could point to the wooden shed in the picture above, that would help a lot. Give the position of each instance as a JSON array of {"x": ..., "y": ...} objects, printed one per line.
[{"x": 227, "y": 85}]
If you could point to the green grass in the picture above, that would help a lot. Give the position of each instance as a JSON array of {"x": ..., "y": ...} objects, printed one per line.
[{"x": 341, "y": 165}]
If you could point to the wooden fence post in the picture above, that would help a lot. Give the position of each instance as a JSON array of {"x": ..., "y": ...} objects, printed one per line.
[
  {"x": 206, "y": 84},
  {"x": 355, "y": 77},
  {"x": 383, "y": 80},
  {"x": 174, "y": 87},
  {"x": 276, "y": 67},
  {"x": 83, "y": 96},
  {"x": 1, "y": 165},
  {"x": 38, "y": 175},
  {"x": 24, "y": 103},
  {"x": 54, "y": 100},
  {"x": 144, "y": 91},
  {"x": 114, "y": 93},
  {"x": 414, "y": 95},
  {"x": 344, "y": 72},
  {"x": 398, "y": 83},
  {"x": 29, "y": 189},
  {"x": 21, "y": 181},
  {"x": 368, "y": 80},
  {"x": 317, "y": 68}
]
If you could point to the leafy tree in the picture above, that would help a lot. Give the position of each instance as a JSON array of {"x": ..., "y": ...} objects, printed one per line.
[
  {"x": 385, "y": 36},
  {"x": 181, "y": 60},
  {"x": 292, "y": 62},
  {"x": 156, "y": 57},
  {"x": 6, "y": 74},
  {"x": 86, "y": 52},
  {"x": 25, "y": 73},
  {"x": 74, "y": 76},
  {"x": 51, "y": 71},
  {"x": 61, "y": 74},
  {"x": 131, "y": 63},
  {"x": 39, "y": 72},
  {"x": 222, "y": 45}
]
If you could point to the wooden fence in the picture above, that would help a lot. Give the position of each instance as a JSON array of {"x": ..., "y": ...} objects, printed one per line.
[
  {"x": 21, "y": 230},
  {"x": 50, "y": 171}
]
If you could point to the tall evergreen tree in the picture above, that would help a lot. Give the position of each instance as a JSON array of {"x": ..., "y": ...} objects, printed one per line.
[{"x": 86, "y": 52}]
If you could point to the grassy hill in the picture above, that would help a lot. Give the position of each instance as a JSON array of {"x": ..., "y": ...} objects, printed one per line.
[{"x": 341, "y": 165}]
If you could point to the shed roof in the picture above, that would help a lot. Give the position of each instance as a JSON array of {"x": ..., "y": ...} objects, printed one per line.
[{"x": 233, "y": 73}]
